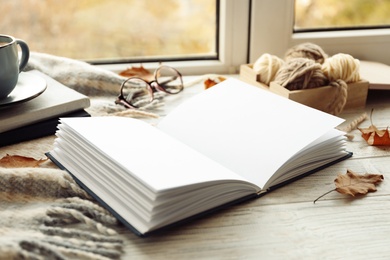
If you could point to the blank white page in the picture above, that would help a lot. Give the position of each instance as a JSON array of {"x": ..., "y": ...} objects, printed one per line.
[
  {"x": 249, "y": 130},
  {"x": 152, "y": 157}
]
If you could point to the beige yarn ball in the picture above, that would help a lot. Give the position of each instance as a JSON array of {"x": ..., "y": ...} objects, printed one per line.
[
  {"x": 267, "y": 66},
  {"x": 342, "y": 66},
  {"x": 306, "y": 50},
  {"x": 301, "y": 73}
]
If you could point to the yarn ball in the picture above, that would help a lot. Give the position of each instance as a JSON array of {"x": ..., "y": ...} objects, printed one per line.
[
  {"x": 266, "y": 66},
  {"x": 307, "y": 50},
  {"x": 301, "y": 73},
  {"x": 342, "y": 66},
  {"x": 337, "y": 105}
]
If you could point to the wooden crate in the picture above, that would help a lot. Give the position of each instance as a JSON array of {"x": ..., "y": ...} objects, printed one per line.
[
  {"x": 321, "y": 97},
  {"x": 248, "y": 75},
  {"x": 318, "y": 98}
]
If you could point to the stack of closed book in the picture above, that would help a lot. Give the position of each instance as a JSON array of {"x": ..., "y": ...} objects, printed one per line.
[{"x": 38, "y": 116}]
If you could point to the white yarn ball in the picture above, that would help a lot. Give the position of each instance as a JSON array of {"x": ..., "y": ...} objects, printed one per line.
[
  {"x": 342, "y": 66},
  {"x": 267, "y": 66}
]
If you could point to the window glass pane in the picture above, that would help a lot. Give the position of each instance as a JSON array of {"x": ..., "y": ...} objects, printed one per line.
[
  {"x": 107, "y": 30},
  {"x": 336, "y": 14}
]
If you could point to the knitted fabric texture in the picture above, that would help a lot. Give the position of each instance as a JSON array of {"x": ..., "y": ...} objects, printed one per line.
[
  {"x": 44, "y": 214},
  {"x": 88, "y": 79},
  {"x": 78, "y": 75}
]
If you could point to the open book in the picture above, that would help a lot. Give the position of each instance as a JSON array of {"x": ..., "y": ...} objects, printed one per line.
[{"x": 229, "y": 143}]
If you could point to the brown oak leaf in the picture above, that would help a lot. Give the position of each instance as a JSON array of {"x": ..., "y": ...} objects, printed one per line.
[
  {"x": 17, "y": 161},
  {"x": 354, "y": 184},
  {"x": 140, "y": 72}
]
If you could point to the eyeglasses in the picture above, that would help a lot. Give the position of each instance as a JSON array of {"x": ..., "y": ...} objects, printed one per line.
[{"x": 137, "y": 92}]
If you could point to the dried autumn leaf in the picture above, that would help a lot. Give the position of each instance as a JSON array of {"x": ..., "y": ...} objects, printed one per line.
[
  {"x": 16, "y": 161},
  {"x": 140, "y": 72},
  {"x": 208, "y": 83},
  {"x": 355, "y": 184},
  {"x": 375, "y": 136}
]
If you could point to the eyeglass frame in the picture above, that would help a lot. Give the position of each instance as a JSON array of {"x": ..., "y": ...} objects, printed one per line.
[{"x": 153, "y": 87}]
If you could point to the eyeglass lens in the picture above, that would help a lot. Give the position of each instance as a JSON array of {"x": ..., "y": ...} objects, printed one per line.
[
  {"x": 169, "y": 79},
  {"x": 137, "y": 92}
]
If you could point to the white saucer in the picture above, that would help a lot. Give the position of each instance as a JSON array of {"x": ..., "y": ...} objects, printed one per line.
[{"x": 29, "y": 86}]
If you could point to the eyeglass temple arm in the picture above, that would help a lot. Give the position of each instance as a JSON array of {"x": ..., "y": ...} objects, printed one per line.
[{"x": 119, "y": 100}]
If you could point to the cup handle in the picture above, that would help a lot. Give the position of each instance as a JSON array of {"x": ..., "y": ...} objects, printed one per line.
[{"x": 25, "y": 54}]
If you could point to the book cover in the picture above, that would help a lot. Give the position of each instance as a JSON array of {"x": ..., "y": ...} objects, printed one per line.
[
  {"x": 56, "y": 100},
  {"x": 36, "y": 130}
]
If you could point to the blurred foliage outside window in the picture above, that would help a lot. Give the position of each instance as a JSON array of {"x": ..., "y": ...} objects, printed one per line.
[
  {"x": 106, "y": 30},
  {"x": 336, "y": 14}
]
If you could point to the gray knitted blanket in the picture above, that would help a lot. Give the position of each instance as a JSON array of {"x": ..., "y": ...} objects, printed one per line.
[
  {"x": 87, "y": 79},
  {"x": 44, "y": 214}
]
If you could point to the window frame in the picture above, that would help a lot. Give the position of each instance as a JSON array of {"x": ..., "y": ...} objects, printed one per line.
[
  {"x": 249, "y": 28},
  {"x": 272, "y": 32},
  {"x": 232, "y": 47}
]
